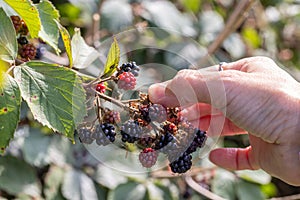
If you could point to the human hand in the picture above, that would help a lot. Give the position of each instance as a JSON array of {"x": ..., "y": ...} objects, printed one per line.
[{"x": 254, "y": 95}]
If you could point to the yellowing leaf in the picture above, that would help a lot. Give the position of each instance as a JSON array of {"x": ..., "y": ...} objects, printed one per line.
[
  {"x": 113, "y": 59},
  {"x": 67, "y": 42},
  {"x": 29, "y": 13}
]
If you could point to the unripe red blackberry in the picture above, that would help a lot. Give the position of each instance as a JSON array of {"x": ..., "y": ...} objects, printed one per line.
[
  {"x": 100, "y": 87},
  {"x": 16, "y": 20},
  {"x": 157, "y": 113},
  {"x": 126, "y": 81},
  {"x": 28, "y": 52},
  {"x": 148, "y": 157},
  {"x": 112, "y": 117},
  {"x": 85, "y": 136}
]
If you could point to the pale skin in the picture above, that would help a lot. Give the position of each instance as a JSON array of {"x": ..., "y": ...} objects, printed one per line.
[{"x": 257, "y": 98}]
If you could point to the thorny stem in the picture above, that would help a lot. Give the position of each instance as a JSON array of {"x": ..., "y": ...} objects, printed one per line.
[{"x": 99, "y": 80}]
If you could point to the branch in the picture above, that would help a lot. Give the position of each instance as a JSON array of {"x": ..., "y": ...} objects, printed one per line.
[
  {"x": 234, "y": 21},
  {"x": 201, "y": 190}
]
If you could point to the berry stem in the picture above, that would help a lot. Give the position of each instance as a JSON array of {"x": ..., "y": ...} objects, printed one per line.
[
  {"x": 99, "y": 80},
  {"x": 116, "y": 102}
]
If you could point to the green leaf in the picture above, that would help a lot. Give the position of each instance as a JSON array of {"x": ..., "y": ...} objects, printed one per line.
[
  {"x": 83, "y": 55},
  {"x": 248, "y": 191},
  {"x": 193, "y": 5},
  {"x": 252, "y": 37},
  {"x": 256, "y": 176},
  {"x": 53, "y": 181},
  {"x": 113, "y": 59},
  {"x": 67, "y": 42},
  {"x": 77, "y": 186},
  {"x": 35, "y": 149},
  {"x": 16, "y": 176},
  {"x": 49, "y": 30},
  {"x": 8, "y": 38},
  {"x": 29, "y": 13},
  {"x": 128, "y": 191},
  {"x": 10, "y": 103},
  {"x": 224, "y": 184},
  {"x": 54, "y": 95}
]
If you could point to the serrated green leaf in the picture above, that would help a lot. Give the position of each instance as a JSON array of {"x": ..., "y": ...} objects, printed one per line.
[
  {"x": 67, "y": 42},
  {"x": 53, "y": 181},
  {"x": 49, "y": 30},
  {"x": 54, "y": 95},
  {"x": 29, "y": 13},
  {"x": 10, "y": 103},
  {"x": 8, "y": 38},
  {"x": 83, "y": 55},
  {"x": 12, "y": 169},
  {"x": 113, "y": 59},
  {"x": 77, "y": 186}
]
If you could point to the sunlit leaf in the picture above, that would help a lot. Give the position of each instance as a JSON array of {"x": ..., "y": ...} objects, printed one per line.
[
  {"x": 54, "y": 94},
  {"x": 8, "y": 41},
  {"x": 128, "y": 191},
  {"x": 67, "y": 42},
  {"x": 29, "y": 13},
  {"x": 83, "y": 55},
  {"x": 10, "y": 103},
  {"x": 113, "y": 59},
  {"x": 49, "y": 30}
]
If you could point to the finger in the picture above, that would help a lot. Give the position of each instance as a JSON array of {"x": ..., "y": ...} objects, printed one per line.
[
  {"x": 234, "y": 158},
  {"x": 158, "y": 93},
  {"x": 217, "y": 125},
  {"x": 198, "y": 110}
]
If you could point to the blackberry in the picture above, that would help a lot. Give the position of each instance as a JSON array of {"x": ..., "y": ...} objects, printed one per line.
[
  {"x": 126, "y": 81},
  {"x": 22, "y": 40},
  {"x": 100, "y": 87},
  {"x": 157, "y": 113},
  {"x": 129, "y": 67},
  {"x": 16, "y": 20},
  {"x": 104, "y": 134},
  {"x": 23, "y": 29},
  {"x": 148, "y": 157},
  {"x": 163, "y": 140},
  {"x": 28, "y": 52},
  {"x": 111, "y": 117},
  {"x": 130, "y": 131},
  {"x": 198, "y": 141},
  {"x": 181, "y": 164},
  {"x": 85, "y": 136},
  {"x": 40, "y": 52},
  {"x": 146, "y": 141}
]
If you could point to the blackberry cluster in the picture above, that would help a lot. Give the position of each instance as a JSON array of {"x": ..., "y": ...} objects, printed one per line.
[
  {"x": 131, "y": 131},
  {"x": 126, "y": 81},
  {"x": 148, "y": 157},
  {"x": 129, "y": 67},
  {"x": 157, "y": 113},
  {"x": 163, "y": 140},
  {"x": 85, "y": 135},
  {"x": 182, "y": 164},
  {"x": 198, "y": 141}
]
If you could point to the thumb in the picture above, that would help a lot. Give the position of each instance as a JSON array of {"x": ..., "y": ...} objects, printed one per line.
[{"x": 234, "y": 158}]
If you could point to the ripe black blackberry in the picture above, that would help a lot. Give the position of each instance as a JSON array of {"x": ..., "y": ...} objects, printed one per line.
[
  {"x": 163, "y": 140},
  {"x": 198, "y": 141},
  {"x": 16, "y": 20},
  {"x": 126, "y": 81},
  {"x": 148, "y": 157},
  {"x": 104, "y": 134},
  {"x": 157, "y": 113},
  {"x": 181, "y": 164},
  {"x": 131, "y": 131},
  {"x": 85, "y": 135},
  {"x": 144, "y": 114},
  {"x": 111, "y": 117},
  {"x": 22, "y": 40},
  {"x": 27, "y": 51},
  {"x": 129, "y": 67}
]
